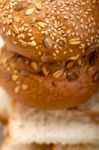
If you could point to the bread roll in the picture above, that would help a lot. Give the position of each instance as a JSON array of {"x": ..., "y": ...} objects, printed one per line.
[
  {"x": 50, "y": 30},
  {"x": 49, "y": 86}
]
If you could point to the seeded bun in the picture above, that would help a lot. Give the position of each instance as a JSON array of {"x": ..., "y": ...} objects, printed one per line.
[
  {"x": 50, "y": 30},
  {"x": 54, "y": 86}
]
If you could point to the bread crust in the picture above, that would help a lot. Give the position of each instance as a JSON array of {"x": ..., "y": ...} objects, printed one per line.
[
  {"x": 47, "y": 92},
  {"x": 76, "y": 147},
  {"x": 48, "y": 30}
]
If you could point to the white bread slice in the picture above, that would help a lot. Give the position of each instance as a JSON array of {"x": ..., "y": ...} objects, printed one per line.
[
  {"x": 65, "y": 127},
  {"x": 5, "y": 105}
]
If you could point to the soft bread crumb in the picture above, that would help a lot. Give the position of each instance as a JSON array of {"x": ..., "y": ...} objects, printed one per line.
[{"x": 65, "y": 127}]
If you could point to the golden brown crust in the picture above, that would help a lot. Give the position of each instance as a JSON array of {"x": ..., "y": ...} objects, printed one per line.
[
  {"x": 47, "y": 92},
  {"x": 43, "y": 95},
  {"x": 50, "y": 30},
  {"x": 7, "y": 144},
  {"x": 90, "y": 113},
  {"x": 76, "y": 147}
]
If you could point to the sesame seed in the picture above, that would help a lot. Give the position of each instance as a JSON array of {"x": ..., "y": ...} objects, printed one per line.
[
  {"x": 38, "y": 6},
  {"x": 14, "y": 77},
  {"x": 35, "y": 66},
  {"x": 57, "y": 74},
  {"x": 17, "y": 89},
  {"x": 48, "y": 42},
  {"x": 29, "y": 11},
  {"x": 20, "y": 6},
  {"x": 42, "y": 24},
  {"x": 24, "y": 87},
  {"x": 33, "y": 43},
  {"x": 75, "y": 41}
]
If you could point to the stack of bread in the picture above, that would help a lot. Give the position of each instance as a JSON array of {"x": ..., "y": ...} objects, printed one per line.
[{"x": 49, "y": 74}]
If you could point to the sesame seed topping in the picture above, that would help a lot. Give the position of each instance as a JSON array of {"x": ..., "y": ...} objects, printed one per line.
[
  {"x": 45, "y": 70},
  {"x": 75, "y": 41},
  {"x": 38, "y": 6},
  {"x": 42, "y": 24},
  {"x": 35, "y": 66},
  {"x": 20, "y": 6},
  {"x": 17, "y": 89},
  {"x": 33, "y": 43},
  {"x": 24, "y": 87},
  {"x": 14, "y": 77},
  {"x": 58, "y": 73},
  {"x": 29, "y": 11},
  {"x": 56, "y": 25},
  {"x": 48, "y": 42}
]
